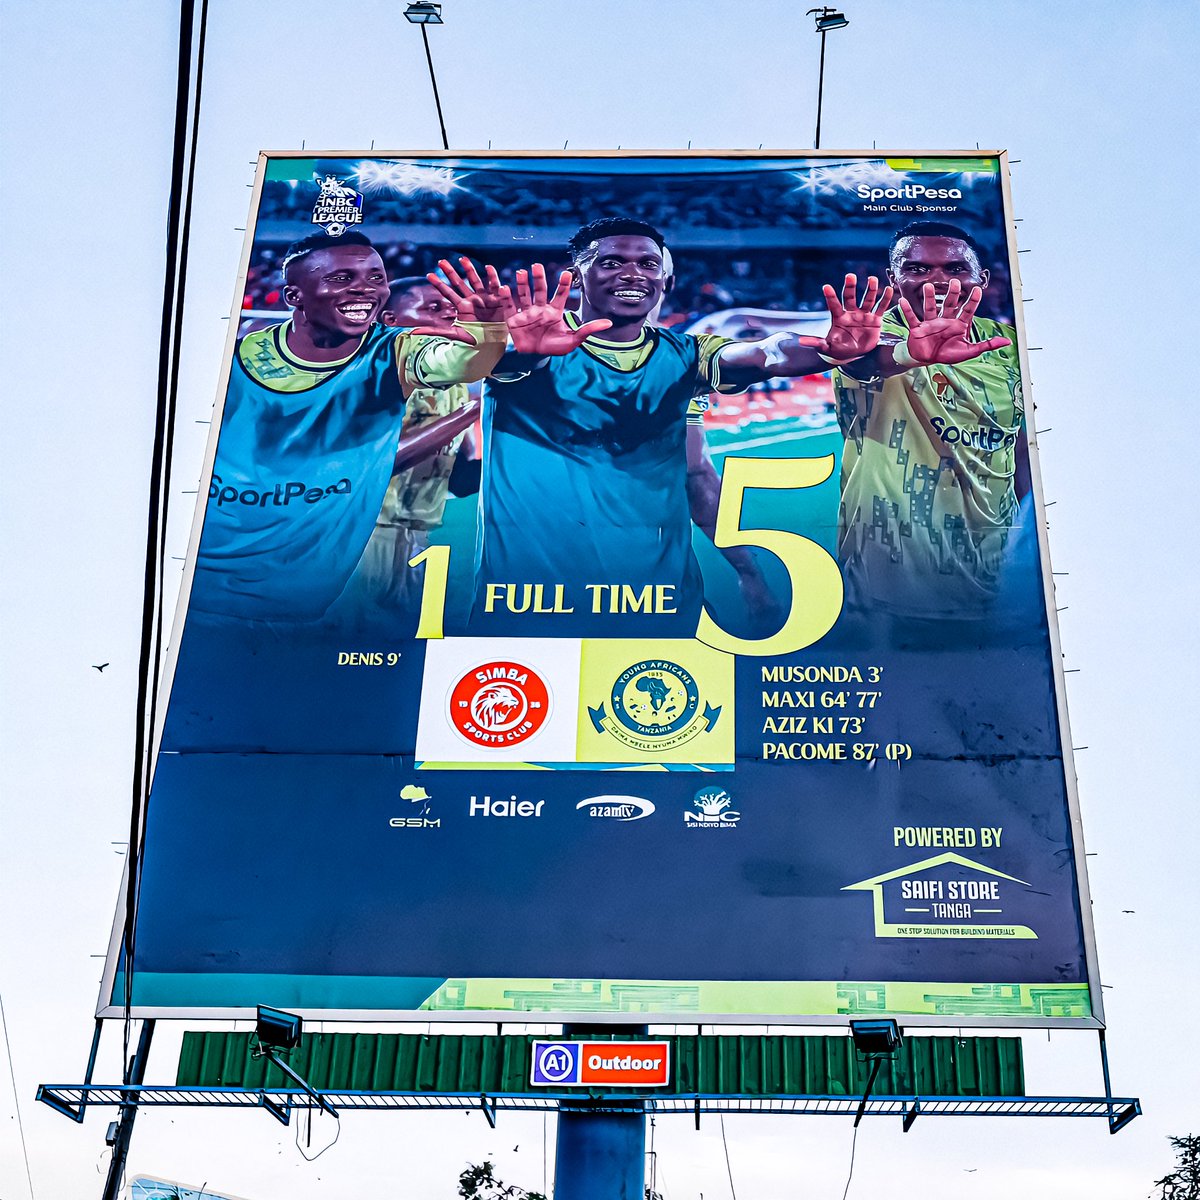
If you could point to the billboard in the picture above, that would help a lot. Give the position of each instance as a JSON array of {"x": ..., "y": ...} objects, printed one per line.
[
  {"x": 619, "y": 590},
  {"x": 145, "y": 1188}
]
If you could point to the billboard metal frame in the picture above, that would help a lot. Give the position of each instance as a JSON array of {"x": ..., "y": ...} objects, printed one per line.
[{"x": 279, "y": 1102}]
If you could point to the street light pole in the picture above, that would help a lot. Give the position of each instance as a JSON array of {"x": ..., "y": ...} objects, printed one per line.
[
  {"x": 433, "y": 79},
  {"x": 826, "y": 18},
  {"x": 820, "y": 93},
  {"x": 423, "y": 13}
]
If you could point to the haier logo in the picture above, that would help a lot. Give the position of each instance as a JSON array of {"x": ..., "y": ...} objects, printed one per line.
[
  {"x": 512, "y": 807},
  {"x": 616, "y": 808},
  {"x": 418, "y": 816},
  {"x": 908, "y": 191},
  {"x": 713, "y": 810},
  {"x": 278, "y": 496}
]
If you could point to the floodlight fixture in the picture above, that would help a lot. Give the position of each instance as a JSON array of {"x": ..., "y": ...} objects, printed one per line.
[
  {"x": 424, "y": 13},
  {"x": 825, "y": 18},
  {"x": 828, "y": 18},
  {"x": 876, "y": 1038},
  {"x": 278, "y": 1030}
]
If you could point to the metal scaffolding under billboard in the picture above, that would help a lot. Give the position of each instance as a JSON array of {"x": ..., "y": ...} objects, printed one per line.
[{"x": 619, "y": 592}]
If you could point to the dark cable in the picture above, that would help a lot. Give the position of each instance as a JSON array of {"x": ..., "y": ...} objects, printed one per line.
[
  {"x": 175, "y": 274},
  {"x": 853, "y": 1144},
  {"x": 728, "y": 1168},
  {"x": 314, "y": 1157},
  {"x": 16, "y": 1099}
]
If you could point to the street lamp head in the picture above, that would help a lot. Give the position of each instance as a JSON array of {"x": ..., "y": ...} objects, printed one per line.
[
  {"x": 828, "y": 18},
  {"x": 423, "y": 12}
]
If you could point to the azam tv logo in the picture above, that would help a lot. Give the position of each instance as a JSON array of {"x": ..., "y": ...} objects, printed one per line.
[
  {"x": 338, "y": 206},
  {"x": 418, "y": 815},
  {"x": 713, "y": 810},
  {"x": 616, "y": 808},
  {"x": 499, "y": 704}
]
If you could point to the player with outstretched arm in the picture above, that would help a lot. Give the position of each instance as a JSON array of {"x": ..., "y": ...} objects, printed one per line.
[
  {"x": 311, "y": 425},
  {"x": 585, "y": 469},
  {"x": 933, "y": 470}
]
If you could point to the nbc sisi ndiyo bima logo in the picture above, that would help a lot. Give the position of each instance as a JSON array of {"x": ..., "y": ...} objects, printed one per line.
[
  {"x": 655, "y": 705},
  {"x": 499, "y": 703},
  {"x": 713, "y": 810}
]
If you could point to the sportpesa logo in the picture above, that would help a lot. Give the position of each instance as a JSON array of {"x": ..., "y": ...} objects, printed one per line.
[
  {"x": 279, "y": 495},
  {"x": 910, "y": 191}
]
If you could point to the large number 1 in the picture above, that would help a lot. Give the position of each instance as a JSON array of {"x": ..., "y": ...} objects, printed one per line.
[
  {"x": 816, "y": 581},
  {"x": 433, "y": 590}
]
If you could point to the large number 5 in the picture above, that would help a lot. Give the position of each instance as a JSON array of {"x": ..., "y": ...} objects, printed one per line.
[{"x": 816, "y": 581}]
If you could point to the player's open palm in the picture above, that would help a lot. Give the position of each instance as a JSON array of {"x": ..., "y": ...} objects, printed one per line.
[
  {"x": 944, "y": 336},
  {"x": 854, "y": 328},
  {"x": 539, "y": 325},
  {"x": 475, "y": 298}
]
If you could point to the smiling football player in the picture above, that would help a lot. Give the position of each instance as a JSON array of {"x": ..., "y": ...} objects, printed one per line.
[{"x": 585, "y": 465}]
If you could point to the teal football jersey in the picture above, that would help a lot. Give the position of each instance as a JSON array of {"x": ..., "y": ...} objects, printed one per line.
[
  {"x": 304, "y": 456},
  {"x": 585, "y": 483}
]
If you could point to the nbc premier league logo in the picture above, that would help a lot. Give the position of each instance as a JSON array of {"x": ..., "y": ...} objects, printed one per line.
[
  {"x": 656, "y": 705},
  {"x": 338, "y": 206}
]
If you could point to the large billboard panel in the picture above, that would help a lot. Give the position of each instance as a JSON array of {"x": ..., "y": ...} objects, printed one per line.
[
  {"x": 145, "y": 1188},
  {"x": 619, "y": 590}
]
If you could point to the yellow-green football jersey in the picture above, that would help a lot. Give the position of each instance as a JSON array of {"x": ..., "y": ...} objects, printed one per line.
[
  {"x": 928, "y": 498},
  {"x": 417, "y": 497}
]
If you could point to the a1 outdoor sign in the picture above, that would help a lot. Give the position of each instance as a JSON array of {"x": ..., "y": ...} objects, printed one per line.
[{"x": 613, "y": 1064}]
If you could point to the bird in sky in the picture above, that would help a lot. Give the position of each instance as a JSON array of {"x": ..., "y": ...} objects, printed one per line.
[{"x": 99, "y": 666}]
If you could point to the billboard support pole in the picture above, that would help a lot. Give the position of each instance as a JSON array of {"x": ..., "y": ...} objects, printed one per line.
[
  {"x": 128, "y": 1114},
  {"x": 601, "y": 1155},
  {"x": 1116, "y": 1120}
]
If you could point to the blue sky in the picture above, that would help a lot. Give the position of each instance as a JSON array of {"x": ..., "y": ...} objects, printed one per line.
[{"x": 1092, "y": 99}]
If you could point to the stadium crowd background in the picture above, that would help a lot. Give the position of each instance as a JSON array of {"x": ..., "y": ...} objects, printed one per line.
[{"x": 761, "y": 240}]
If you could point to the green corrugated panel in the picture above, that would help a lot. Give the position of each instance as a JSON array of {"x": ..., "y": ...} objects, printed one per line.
[{"x": 737, "y": 1065}]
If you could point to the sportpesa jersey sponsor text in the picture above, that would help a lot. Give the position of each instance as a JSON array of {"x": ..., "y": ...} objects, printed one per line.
[{"x": 278, "y": 495}]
